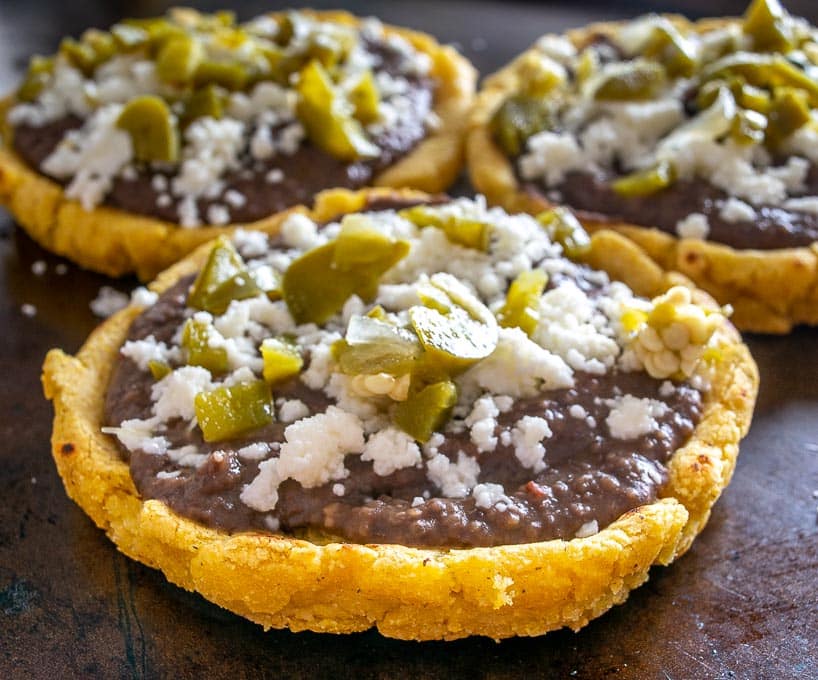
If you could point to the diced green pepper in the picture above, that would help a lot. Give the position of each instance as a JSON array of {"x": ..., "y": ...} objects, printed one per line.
[
  {"x": 196, "y": 340},
  {"x": 452, "y": 341},
  {"x": 365, "y": 99},
  {"x": 768, "y": 24},
  {"x": 374, "y": 346},
  {"x": 80, "y": 55},
  {"x": 224, "y": 278},
  {"x": 282, "y": 360},
  {"x": 158, "y": 369},
  {"x": 763, "y": 70},
  {"x": 645, "y": 182},
  {"x": 228, "y": 412},
  {"x": 179, "y": 59},
  {"x": 229, "y": 74},
  {"x": 207, "y": 101},
  {"x": 788, "y": 112},
  {"x": 522, "y": 306},
  {"x": 152, "y": 127},
  {"x": 587, "y": 65},
  {"x": 630, "y": 81},
  {"x": 315, "y": 287},
  {"x": 674, "y": 51},
  {"x": 38, "y": 74},
  {"x": 101, "y": 43},
  {"x": 518, "y": 118},
  {"x": 329, "y": 125},
  {"x": 425, "y": 411},
  {"x": 464, "y": 232},
  {"x": 564, "y": 228}
]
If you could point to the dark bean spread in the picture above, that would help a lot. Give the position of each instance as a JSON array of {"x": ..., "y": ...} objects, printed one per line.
[
  {"x": 305, "y": 173},
  {"x": 589, "y": 475},
  {"x": 775, "y": 227}
]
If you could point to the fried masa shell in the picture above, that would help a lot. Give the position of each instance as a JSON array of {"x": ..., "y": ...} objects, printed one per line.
[
  {"x": 116, "y": 242},
  {"x": 770, "y": 290},
  {"x": 408, "y": 593}
]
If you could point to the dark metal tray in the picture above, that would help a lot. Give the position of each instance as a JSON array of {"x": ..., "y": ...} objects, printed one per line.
[{"x": 742, "y": 603}]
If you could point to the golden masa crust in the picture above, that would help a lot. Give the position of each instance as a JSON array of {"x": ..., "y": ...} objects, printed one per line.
[
  {"x": 770, "y": 290},
  {"x": 405, "y": 592},
  {"x": 116, "y": 242}
]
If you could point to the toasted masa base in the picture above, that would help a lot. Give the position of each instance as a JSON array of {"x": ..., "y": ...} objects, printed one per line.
[
  {"x": 116, "y": 242},
  {"x": 770, "y": 290},
  {"x": 405, "y": 592}
]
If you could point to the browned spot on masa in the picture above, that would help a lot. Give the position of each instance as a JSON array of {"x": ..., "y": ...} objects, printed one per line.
[{"x": 67, "y": 449}]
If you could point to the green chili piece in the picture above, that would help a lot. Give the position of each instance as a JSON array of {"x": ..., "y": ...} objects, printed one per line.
[
  {"x": 767, "y": 23},
  {"x": 196, "y": 340},
  {"x": 315, "y": 287},
  {"x": 629, "y": 81},
  {"x": 517, "y": 119},
  {"x": 224, "y": 278},
  {"x": 158, "y": 369},
  {"x": 152, "y": 127},
  {"x": 365, "y": 99},
  {"x": 645, "y": 182},
  {"x": 522, "y": 306},
  {"x": 788, "y": 112},
  {"x": 178, "y": 60},
  {"x": 329, "y": 125},
  {"x": 38, "y": 74},
  {"x": 282, "y": 360},
  {"x": 465, "y": 232},
  {"x": 228, "y": 412},
  {"x": 425, "y": 411},
  {"x": 374, "y": 346},
  {"x": 674, "y": 51},
  {"x": 564, "y": 228}
]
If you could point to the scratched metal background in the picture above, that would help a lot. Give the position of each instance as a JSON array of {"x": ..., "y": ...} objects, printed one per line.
[{"x": 741, "y": 604}]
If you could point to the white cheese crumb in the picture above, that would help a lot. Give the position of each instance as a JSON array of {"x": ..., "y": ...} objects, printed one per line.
[
  {"x": 168, "y": 474},
  {"x": 695, "y": 225},
  {"x": 61, "y": 269},
  {"x": 250, "y": 243},
  {"x": 577, "y": 411},
  {"x": 527, "y": 436},
  {"x": 313, "y": 454},
  {"x": 631, "y": 417},
  {"x": 28, "y": 310},
  {"x": 38, "y": 267},
  {"x": 108, "y": 301},
  {"x": 390, "y": 450},
  {"x": 488, "y": 495},
  {"x": 588, "y": 529},
  {"x": 218, "y": 214},
  {"x": 143, "y": 297},
  {"x": 299, "y": 231},
  {"x": 805, "y": 204},
  {"x": 174, "y": 394},
  {"x": 235, "y": 198},
  {"x": 736, "y": 210},
  {"x": 518, "y": 367},
  {"x": 254, "y": 451},
  {"x": 455, "y": 480},
  {"x": 142, "y": 352},
  {"x": 292, "y": 410},
  {"x": 274, "y": 176},
  {"x": 338, "y": 489},
  {"x": 551, "y": 156}
]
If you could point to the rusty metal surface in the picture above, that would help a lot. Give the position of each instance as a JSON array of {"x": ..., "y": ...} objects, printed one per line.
[{"x": 741, "y": 604}]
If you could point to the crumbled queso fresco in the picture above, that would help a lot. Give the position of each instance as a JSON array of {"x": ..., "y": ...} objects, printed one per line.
[
  {"x": 240, "y": 131},
  {"x": 517, "y": 415}
]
